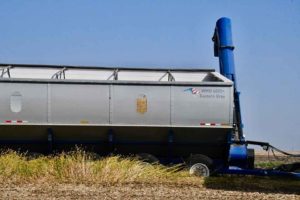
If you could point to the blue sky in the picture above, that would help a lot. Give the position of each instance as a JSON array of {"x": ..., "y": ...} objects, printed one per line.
[{"x": 175, "y": 33}]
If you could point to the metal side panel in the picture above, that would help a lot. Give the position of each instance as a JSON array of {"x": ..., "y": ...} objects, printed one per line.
[
  {"x": 196, "y": 105},
  {"x": 140, "y": 105},
  {"x": 23, "y": 103},
  {"x": 79, "y": 104}
]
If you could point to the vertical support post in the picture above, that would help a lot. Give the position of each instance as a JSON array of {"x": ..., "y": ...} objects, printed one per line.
[
  {"x": 50, "y": 140},
  {"x": 170, "y": 145},
  {"x": 111, "y": 140},
  {"x": 223, "y": 48}
]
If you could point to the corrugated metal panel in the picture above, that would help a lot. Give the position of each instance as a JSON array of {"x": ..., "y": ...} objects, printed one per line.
[
  {"x": 141, "y": 105},
  {"x": 79, "y": 104},
  {"x": 34, "y": 102},
  {"x": 196, "y": 105},
  {"x": 130, "y": 97},
  {"x": 97, "y": 104}
]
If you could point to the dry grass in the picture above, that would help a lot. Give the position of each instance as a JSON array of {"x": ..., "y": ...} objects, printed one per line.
[
  {"x": 81, "y": 167},
  {"x": 80, "y": 175}
]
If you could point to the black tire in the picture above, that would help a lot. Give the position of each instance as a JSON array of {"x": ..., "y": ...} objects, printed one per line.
[
  {"x": 200, "y": 165},
  {"x": 199, "y": 158},
  {"x": 148, "y": 158}
]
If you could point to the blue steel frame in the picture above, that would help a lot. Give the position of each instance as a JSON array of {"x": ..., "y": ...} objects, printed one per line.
[
  {"x": 223, "y": 48},
  {"x": 260, "y": 172}
]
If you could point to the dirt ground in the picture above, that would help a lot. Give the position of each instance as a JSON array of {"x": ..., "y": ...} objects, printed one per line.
[{"x": 130, "y": 191}]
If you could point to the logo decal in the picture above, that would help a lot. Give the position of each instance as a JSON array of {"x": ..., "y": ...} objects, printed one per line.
[
  {"x": 192, "y": 91},
  {"x": 141, "y": 104}
]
